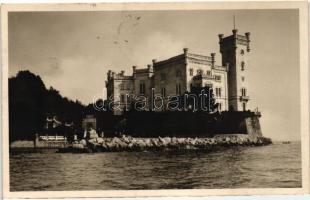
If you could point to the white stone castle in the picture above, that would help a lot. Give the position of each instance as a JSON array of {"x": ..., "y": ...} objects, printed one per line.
[{"x": 178, "y": 74}]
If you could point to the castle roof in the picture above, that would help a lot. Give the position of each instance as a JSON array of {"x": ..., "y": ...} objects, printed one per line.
[
  {"x": 174, "y": 59},
  {"x": 182, "y": 58},
  {"x": 144, "y": 70},
  {"x": 122, "y": 77}
]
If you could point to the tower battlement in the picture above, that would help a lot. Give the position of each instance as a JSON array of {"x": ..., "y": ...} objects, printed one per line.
[{"x": 234, "y": 40}]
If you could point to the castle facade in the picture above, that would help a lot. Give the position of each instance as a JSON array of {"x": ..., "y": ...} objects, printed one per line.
[{"x": 176, "y": 75}]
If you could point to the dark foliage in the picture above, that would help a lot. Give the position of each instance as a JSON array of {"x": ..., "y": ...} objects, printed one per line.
[{"x": 30, "y": 103}]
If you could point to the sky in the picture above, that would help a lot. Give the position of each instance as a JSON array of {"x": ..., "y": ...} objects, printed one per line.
[{"x": 72, "y": 52}]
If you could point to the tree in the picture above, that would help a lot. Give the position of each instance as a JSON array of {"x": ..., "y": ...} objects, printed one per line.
[
  {"x": 26, "y": 105},
  {"x": 30, "y": 103}
]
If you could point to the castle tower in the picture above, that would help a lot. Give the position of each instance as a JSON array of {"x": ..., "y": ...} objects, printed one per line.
[{"x": 235, "y": 51}]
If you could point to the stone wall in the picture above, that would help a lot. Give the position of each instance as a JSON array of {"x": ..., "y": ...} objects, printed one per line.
[
  {"x": 50, "y": 144},
  {"x": 189, "y": 124},
  {"x": 41, "y": 144},
  {"x": 253, "y": 126},
  {"x": 169, "y": 76}
]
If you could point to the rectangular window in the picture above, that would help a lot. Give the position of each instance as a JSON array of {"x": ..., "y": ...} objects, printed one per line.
[
  {"x": 243, "y": 92},
  {"x": 218, "y": 92},
  {"x": 208, "y": 73},
  {"x": 220, "y": 106},
  {"x": 244, "y": 106},
  {"x": 208, "y": 85},
  {"x": 122, "y": 98},
  {"x": 163, "y": 92},
  {"x": 142, "y": 88},
  {"x": 191, "y": 72},
  {"x": 178, "y": 89},
  {"x": 217, "y": 77}
]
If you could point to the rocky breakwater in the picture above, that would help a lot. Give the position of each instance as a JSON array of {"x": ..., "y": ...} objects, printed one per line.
[{"x": 128, "y": 143}]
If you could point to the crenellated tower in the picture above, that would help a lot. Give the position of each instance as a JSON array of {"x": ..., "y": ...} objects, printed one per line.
[{"x": 235, "y": 50}]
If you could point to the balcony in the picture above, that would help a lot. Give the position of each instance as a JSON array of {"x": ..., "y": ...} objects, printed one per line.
[{"x": 244, "y": 98}]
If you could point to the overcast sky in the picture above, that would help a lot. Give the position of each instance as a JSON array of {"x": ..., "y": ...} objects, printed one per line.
[{"x": 72, "y": 52}]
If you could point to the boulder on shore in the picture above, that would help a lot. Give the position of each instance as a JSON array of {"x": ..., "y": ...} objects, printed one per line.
[
  {"x": 125, "y": 143},
  {"x": 92, "y": 134}
]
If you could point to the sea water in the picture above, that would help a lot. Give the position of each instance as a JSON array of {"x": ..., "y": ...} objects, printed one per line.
[{"x": 272, "y": 166}]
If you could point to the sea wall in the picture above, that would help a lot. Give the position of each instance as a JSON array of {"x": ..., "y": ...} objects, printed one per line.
[
  {"x": 22, "y": 144},
  {"x": 28, "y": 146},
  {"x": 253, "y": 127},
  {"x": 190, "y": 124},
  {"x": 127, "y": 143},
  {"x": 50, "y": 144}
]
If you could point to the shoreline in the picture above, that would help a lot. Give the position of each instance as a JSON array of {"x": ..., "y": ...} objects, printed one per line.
[
  {"x": 130, "y": 144},
  {"x": 134, "y": 144}
]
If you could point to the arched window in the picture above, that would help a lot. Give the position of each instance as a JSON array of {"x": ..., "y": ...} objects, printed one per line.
[
  {"x": 242, "y": 52},
  {"x": 242, "y": 66}
]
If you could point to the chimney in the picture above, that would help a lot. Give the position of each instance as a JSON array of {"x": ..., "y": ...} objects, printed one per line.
[
  {"x": 154, "y": 61},
  {"x": 221, "y": 37},
  {"x": 109, "y": 74},
  {"x": 235, "y": 31},
  {"x": 134, "y": 69},
  {"x": 150, "y": 70},
  {"x": 122, "y": 72},
  {"x": 185, "y": 50},
  {"x": 149, "y": 67},
  {"x": 212, "y": 59}
]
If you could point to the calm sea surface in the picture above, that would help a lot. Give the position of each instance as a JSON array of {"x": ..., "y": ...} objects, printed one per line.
[{"x": 277, "y": 165}]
